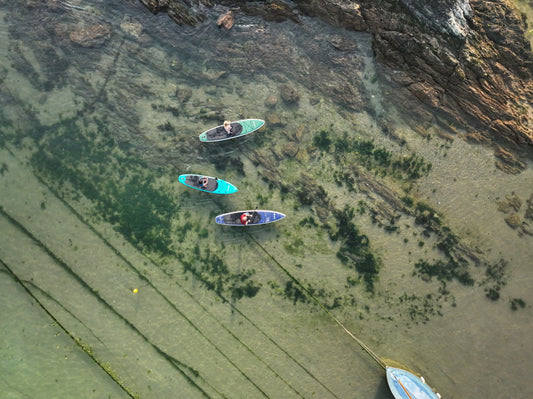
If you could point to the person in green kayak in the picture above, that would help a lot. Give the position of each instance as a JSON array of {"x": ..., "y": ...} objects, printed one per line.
[{"x": 228, "y": 128}]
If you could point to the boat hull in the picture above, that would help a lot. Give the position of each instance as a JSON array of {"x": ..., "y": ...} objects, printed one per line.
[
  {"x": 405, "y": 385},
  {"x": 239, "y": 128},
  {"x": 258, "y": 217},
  {"x": 215, "y": 185}
]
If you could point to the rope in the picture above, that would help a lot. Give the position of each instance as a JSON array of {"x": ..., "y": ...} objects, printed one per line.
[{"x": 373, "y": 355}]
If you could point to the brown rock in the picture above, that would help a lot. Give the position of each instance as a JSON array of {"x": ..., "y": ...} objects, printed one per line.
[
  {"x": 343, "y": 44},
  {"x": 529, "y": 210},
  {"x": 267, "y": 161},
  {"x": 131, "y": 27},
  {"x": 273, "y": 119},
  {"x": 514, "y": 201},
  {"x": 290, "y": 149},
  {"x": 302, "y": 155},
  {"x": 275, "y": 11},
  {"x": 91, "y": 36},
  {"x": 271, "y": 101},
  {"x": 469, "y": 66},
  {"x": 289, "y": 94},
  {"x": 477, "y": 138},
  {"x": 526, "y": 228},
  {"x": 155, "y": 5},
  {"x": 503, "y": 206},
  {"x": 314, "y": 99},
  {"x": 507, "y": 161},
  {"x": 177, "y": 11},
  {"x": 513, "y": 220}
]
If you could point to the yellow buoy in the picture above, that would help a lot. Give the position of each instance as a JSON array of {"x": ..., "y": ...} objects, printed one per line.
[{"x": 135, "y": 290}]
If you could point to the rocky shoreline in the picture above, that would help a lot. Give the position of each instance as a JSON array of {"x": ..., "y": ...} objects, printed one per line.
[{"x": 464, "y": 65}]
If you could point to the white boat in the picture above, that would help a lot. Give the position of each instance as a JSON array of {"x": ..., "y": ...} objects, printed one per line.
[{"x": 405, "y": 385}]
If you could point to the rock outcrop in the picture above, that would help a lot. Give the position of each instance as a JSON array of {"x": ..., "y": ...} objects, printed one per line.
[
  {"x": 460, "y": 63},
  {"x": 464, "y": 64},
  {"x": 179, "y": 12},
  {"x": 91, "y": 36}
]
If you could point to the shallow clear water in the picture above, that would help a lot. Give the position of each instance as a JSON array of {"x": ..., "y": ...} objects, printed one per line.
[{"x": 115, "y": 280}]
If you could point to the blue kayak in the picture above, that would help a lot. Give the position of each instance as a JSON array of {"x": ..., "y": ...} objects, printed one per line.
[
  {"x": 256, "y": 218},
  {"x": 405, "y": 385},
  {"x": 213, "y": 185},
  {"x": 238, "y": 129}
]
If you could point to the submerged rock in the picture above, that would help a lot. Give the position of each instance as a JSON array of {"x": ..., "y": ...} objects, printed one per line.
[
  {"x": 289, "y": 94},
  {"x": 343, "y": 44},
  {"x": 131, "y": 27},
  {"x": 175, "y": 10},
  {"x": 273, "y": 119},
  {"x": 274, "y": 11},
  {"x": 91, "y": 36},
  {"x": 507, "y": 161},
  {"x": 290, "y": 149},
  {"x": 513, "y": 220},
  {"x": 183, "y": 95},
  {"x": 271, "y": 101}
]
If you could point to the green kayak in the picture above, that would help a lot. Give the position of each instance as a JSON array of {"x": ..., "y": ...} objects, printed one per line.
[{"x": 238, "y": 129}]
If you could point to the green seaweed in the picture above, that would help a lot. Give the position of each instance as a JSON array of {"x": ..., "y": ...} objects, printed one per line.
[
  {"x": 495, "y": 279},
  {"x": 128, "y": 197},
  {"x": 293, "y": 292},
  {"x": 322, "y": 141},
  {"x": 355, "y": 248},
  {"x": 517, "y": 303},
  {"x": 381, "y": 160},
  {"x": 444, "y": 271},
  {"x": 223, "y": 162},
  {"x": 211, "y": 270}
]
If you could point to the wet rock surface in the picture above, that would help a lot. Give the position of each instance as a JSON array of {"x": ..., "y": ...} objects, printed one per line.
[
  {"x": 466, "y": 63},
  {"x": 175, "y": 9},
  {"x": 289, "y": 94},
  {"x": 91, "y": 36},
  {"x": 452, "y": 62},
  {"x": 517, "y": 216}
]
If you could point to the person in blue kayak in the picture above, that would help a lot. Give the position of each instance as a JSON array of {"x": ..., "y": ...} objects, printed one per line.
[
  {"x": 203, "y": 182},
  {"x": 228, "y": 128},
  {"x": 245, "y": 218}
]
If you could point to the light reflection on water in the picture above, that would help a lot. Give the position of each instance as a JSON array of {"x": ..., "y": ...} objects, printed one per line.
[{"x": 173, "y": 334}]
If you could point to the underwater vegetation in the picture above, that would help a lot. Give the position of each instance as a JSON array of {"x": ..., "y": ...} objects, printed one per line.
[
  {"x": 322, "y": 141},
  {"x": 125, "y": 193},
  {"x": 420, "y": 308},
  {"x": 128, "y": 195},
  {"x": 211, "y": 270},
  {"x": 223, "y": 163},
  {"x": 372, "y": 157},
  {"x": 141, "y": 213},
  {"x": 327, "y": 298},
  {"x": 495, "y": 279},
  {"x": 355, "y": 248},
  {"x": 517, "y": 303}
]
